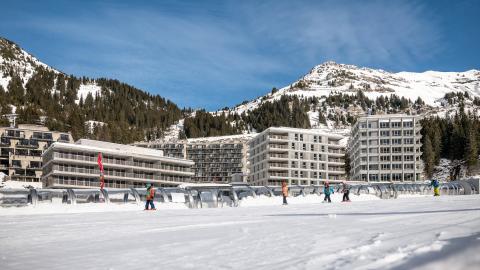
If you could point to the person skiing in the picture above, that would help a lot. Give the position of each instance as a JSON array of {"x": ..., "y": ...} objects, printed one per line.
[
  {"x": 346, "y": 192},
  {"x": 327, "y": 190},
  {"x": 284, "y": 192},
  {"x": 436, "y": 187},
  {"x": 150, "y": 196}
]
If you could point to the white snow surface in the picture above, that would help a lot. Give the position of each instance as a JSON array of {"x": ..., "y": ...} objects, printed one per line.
[
  {"x": 85, "y": 89},
  {"x": 408, "y": 233}
]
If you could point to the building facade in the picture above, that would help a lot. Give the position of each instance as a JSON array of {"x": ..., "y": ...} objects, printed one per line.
[
  {"x": 298, "y": 156},
  {"x": 386, "y": 148},
  {"x": 21, "y": 150},
  {"x": 216, "y": 159},
  {"x": 75, "y": 166}
]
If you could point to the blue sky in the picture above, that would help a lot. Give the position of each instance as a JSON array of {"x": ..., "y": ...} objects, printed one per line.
[{"x": 212, "y": 54}]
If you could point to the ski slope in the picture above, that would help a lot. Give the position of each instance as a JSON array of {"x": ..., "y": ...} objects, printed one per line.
[{"x": 407, "y": 233}]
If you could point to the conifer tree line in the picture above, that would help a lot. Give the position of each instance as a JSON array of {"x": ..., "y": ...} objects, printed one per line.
[
  {"x": 454, "y": 137},
  {"x": 129, "y": 114}
]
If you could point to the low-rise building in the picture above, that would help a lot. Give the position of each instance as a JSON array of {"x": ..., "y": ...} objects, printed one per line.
[
  {"x": 386, "y": 148},
  {"x": 297, "y": 156},
  {"x": 21, "y": 150},
  {"x": 75, "y": 166},
  {"x": 216, "y": 159}
]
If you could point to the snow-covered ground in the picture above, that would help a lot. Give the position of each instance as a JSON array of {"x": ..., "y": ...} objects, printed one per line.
[{"x": 408, "y": 233}]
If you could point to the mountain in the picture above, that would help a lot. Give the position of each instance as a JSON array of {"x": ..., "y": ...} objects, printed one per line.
[
  {"x": 101, "y": 108},
  {"x": 332, "y": 78}
]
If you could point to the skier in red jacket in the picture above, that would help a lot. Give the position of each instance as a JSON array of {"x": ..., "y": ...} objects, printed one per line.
[{"x": 150, "y": 196}]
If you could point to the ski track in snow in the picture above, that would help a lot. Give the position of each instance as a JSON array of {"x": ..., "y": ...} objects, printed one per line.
[{"x": 416, "y": 232}]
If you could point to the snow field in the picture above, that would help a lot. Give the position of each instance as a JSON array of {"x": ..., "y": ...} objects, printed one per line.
[{"x": 409, "y": 233}]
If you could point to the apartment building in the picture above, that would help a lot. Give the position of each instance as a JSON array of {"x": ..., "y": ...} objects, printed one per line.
[
  {"x": 75, "y": 166},
  {"x": 386, "y": 148},
  {"x": 216, "y": 159},
  {"x": 298, "y": 156},
  {"x": 21, "y": 150}
]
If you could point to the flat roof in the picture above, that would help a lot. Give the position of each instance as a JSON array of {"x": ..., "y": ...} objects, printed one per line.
[
  {"x": 115, "y": 149},
  {"x": 304, "y": 130}
]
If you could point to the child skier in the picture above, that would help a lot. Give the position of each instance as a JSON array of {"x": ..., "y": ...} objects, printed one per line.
[
  {"x": 346, "y": 192},
  {"x": 284, "y": 192},
  {"x": 327, "y": 190},
  {"x": 150, "y": 196},
  {"x": 436, "y": 187}
]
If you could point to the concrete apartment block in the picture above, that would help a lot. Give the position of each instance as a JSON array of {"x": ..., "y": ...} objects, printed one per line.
[
  {"x": 21, "y": 150},
  {"x": 386, "y": 148},
  {"x": 298, "y": 156},
  {"x": 75, "y": 166}
]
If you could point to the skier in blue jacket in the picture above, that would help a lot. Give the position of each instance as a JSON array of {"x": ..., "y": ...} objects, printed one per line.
[
  {"x": 436, "y": 187},
  {"x": 327, "y": 190}
]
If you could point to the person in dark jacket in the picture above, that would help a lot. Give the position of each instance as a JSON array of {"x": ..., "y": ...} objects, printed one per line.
[
  {"x": 149, "y": 197},
  {"x": 327, "y": 190},
  {"x": 284, "y": 192},
  {"x": 346, "y": 192}
]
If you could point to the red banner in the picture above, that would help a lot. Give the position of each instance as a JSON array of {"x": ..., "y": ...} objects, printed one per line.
[{"x": 100, "y": 166}]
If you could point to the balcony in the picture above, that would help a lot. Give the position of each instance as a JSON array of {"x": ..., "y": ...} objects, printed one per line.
[
  {"x": 278, "y": 137},
  {"x": 13, "y": 134}
]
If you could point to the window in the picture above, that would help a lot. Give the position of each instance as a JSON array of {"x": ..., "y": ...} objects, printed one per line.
[
  {"x": 315, "y": 157},
  {"x": 304, "y": 147},
  {"x": 408, "y": 149},
  {"x": 296, "y": 155},
  {"x": 396, "y": 158},
  {"x": 396, "y": 133},
  {"x": 373, "y": 150},
  {"x": 408, "y": 158},
  {"x": 373, "y": 177},
  {"x": 294, "y": 164},
  {"x": 396, "y": 176},
  {"x": 408, "y": 166},
  {"x": 315, "y": 139},
  {"x": 384, "y": 150},
  {"x": 293, "y": 146},
  {"x": 396, "y": 166},
  {"x": 363, "y": 134},
  {"x": 301, "y": 137},
  {"x": 373, "y": 167},
  {"x": 373, "y": 133},
  {"x": 396, "y": 149},
  {"x": 408, "y": 141},
  {"x": 384, "y": 133},
  {"x": 296, "y": 137},
  {"x": 396, "y": 124},
  {"x": 384, "y": 158},
  {"x": 408, "y": 132},
  {"x": 385, "y": 177},
  {"x": 312, "y": 148},
  {"x": 301, "y": 155},
  {"x": 384, "y": 124},
  {"x": 384, "y": 141},
  {"x": 385, "y": 166},
  {"x": 304, "y": 165},
  {"x": 396, "y": 141},
  {"x": 313, "y": 166}
]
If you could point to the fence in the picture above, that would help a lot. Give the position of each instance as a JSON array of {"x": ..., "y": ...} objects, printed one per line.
[{"x": 197, "y": 196}]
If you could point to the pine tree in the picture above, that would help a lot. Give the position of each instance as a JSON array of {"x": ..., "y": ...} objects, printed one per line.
[
  {"x": 428, "y": 157},
  {"x": 471, "y": 153}
]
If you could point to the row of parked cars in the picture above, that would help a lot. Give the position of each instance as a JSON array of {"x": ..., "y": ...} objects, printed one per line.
[{"x": 199, "y": 196}]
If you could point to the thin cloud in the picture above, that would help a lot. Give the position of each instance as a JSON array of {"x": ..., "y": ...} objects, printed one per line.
[{"x": 224, "y": 54}]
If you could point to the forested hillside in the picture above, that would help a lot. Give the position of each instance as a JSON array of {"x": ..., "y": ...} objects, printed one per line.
[{"x": 119, "y": 112}]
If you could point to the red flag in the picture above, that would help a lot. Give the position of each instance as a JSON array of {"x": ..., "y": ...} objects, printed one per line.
[
  {"x": 99, "y": 161},
  {"x": 100, "y": 166}
]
